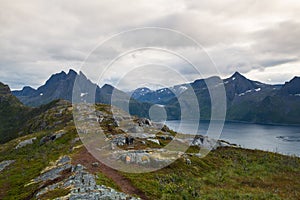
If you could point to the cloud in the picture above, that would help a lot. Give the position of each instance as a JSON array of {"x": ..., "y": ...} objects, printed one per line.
[
  {"x": 282, "y": 38},
  {"x": 38, "y": 38}
]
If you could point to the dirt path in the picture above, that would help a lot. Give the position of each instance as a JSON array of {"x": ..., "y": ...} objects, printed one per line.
[{"x": 86, "y": 159}]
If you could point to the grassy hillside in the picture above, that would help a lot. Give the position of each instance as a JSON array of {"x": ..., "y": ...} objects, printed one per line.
[
  {"x": 12, "y": 114},
  {"x": 226, "y": 173},
  {"x": 17, "y": 120}
]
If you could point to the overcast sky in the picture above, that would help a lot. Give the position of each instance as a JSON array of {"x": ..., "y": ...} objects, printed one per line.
[{"x": 259, "y": 38}]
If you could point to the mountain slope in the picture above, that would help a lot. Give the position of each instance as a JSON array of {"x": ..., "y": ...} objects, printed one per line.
[
  {"x": 58, "y": 86},
  {"x": 17, "y": 120},
  {"x": 12, "y": 113},
  {"x": 284, "y": 106},
  {"x": 247, "y": 100},
  {"x": 291, "y": 88}
]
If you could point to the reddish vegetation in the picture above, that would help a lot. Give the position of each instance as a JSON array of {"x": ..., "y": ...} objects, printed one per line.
[
  {"x": 84, "y": 158},
  {"x": 4, "y": 190}
]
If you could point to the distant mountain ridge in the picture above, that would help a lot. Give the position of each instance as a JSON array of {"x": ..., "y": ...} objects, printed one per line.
[
  {"x": 292, "y": 87},
  {"x": 60, "y": 86},
  {"x": 246, "y": 99}
]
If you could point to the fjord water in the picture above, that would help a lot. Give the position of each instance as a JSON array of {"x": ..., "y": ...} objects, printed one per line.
[{"x": 280, "y": 139}]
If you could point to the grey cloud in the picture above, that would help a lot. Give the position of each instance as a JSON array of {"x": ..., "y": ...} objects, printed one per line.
[
  {"x": 204, "y": 28},
  {"x": 282, "y": 38},
  {"x": 274, "y": 62},
  {"x": 235, "y": 9},
  {"x": 38, "y": 38}
]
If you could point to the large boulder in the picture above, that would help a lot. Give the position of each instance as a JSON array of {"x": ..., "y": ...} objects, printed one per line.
[
  {"x": 136, "y": 129},
  {"x": 52, "y": 137},
  {"x": 144, "y": 122},
  {"x": 25, "y": 143}
]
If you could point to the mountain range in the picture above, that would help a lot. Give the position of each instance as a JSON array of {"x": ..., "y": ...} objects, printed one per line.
[{"x": 247, "y": 100}]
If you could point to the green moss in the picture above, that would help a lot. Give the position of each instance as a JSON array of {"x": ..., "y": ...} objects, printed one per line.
[
  {"x": 30, "y": 161},
  {"x": 104, "y": 180},
  {"x": 55, "y": 194}
]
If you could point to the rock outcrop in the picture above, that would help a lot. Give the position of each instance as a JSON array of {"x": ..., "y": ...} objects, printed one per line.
[
  {"x": 208, "y": 143},
  {"x": 81, "y": 183},
  {"x": 25, "y": 143},
  {"x": 5, "y": 164},
  {"x": 52, "y": 137}
]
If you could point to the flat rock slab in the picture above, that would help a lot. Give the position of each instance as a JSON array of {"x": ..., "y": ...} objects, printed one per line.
[
  {"x": 5, "y": 164},
  {"x": 25, "y": 142},
  {"x": 142, "y": 135}
]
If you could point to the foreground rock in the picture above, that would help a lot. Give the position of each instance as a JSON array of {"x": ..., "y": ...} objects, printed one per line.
[
  {"x": 208, "y": 143},
  {"x": 82, "y": 184},
  {"x": 25, "y": 143},
  {"x": 85, "y": 187},
  {"x": 149, "y": 157},
  {"x": 52, "y": 137}
]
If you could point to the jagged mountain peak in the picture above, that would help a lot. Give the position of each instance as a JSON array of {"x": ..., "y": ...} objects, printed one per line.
[
  {"x": 292, "y": 87},
  {"x": 71, "y": 71},
  {"x": 107, "y": 87},
  {"x": 63, "y": 75},
  {"x": 140, "y": 92},
  {"x": 143, "y": 89},
  {"x": 58, "y": 86},
  {"x": 200, "y": 83},
  {"x": 6, "y": 96},
  {"x": 296, "y": 78},
  {"x": 198, "y": 80},
  {"x": 27, "y": 90},
  {"x": 237, "y": 85},
  {"x": 81, "y": 74},
  {"x": 56, "y": 77},
  {"x": 4, "y": 89},
  {"x": 239, "y": 76},
  {"x": 61, "y": 86}
]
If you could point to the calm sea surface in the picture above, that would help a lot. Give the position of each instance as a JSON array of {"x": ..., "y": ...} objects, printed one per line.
[{"x": 281, "y": 139}]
